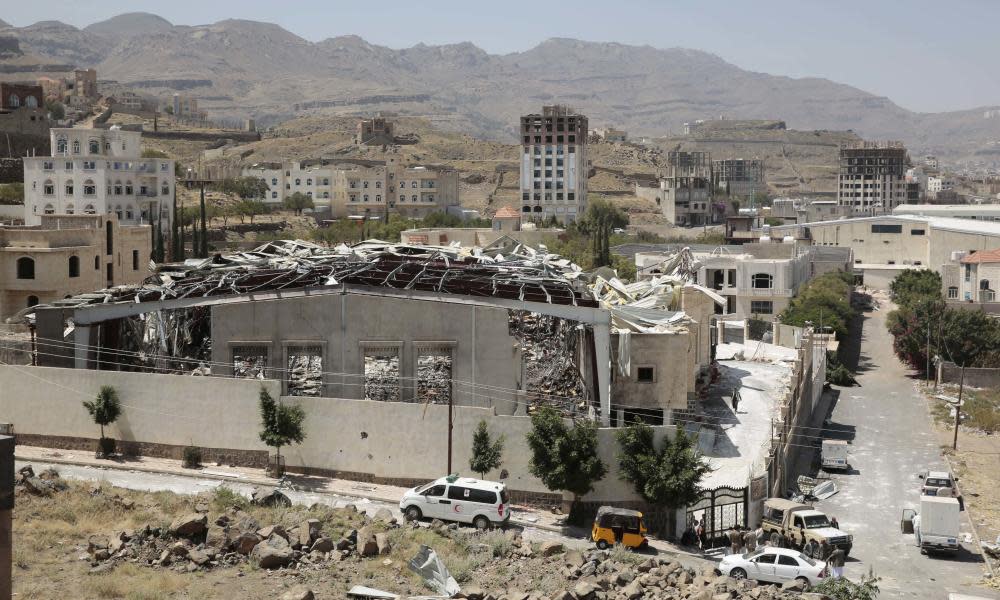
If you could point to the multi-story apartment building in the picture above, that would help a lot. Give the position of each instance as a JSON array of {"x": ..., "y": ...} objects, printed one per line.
[
  {"x": 738, "y": 177},
  {"x": 69, "y": 254},
  {"x": 369, "y": 188},
  {"x": 977, "y": 278},
  {"x": 554, "y": 164},
  {"x": 686, "y": 188},
  {"x": 97, "y": 172},
  {"x": 872, "y": 178}
]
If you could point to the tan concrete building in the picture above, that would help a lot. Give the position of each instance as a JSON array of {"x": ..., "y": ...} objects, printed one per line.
[
  {"x": 885, "y": 246},
  {"x": 375, "y": 132},
  {"x": 67, "y": 255},
  {"x": 85, "y": 83},
  {"x": 973, "y": 278},
  {"x": 872, "y": 177},
  {"x": 554, "y": 164},
  {"x": 686, "y": 189}
]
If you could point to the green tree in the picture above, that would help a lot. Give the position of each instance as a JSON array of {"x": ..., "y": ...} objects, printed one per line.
[
  {"x": 298, "y": 201},
  {"x": 248, "y": 207},
  {"x": 487, "y": 453},
  {"x": 600, "y": 220},
  {"x": 564, "y": 458},
  {"x": 668, "y": 476},
  {"x": 105, "y": 410},
  {"x": 12, "y": 193},
  {"x": 281, "y": 424},
  {"x": 55, "y": 109},
  {"x": 914, "y": 285},
  {"x": 845, "y": 589},
  {"x": 824, "y": 301}
]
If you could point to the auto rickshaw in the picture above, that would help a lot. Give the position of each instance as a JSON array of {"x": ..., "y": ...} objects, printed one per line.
[{"x": 619, "y": 526}]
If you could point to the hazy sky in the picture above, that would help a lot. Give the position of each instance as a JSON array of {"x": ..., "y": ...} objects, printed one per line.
[{"x": 925, "y": 55}]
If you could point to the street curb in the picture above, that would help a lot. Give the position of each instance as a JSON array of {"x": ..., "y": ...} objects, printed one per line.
[{"x": 195, "y": 474}]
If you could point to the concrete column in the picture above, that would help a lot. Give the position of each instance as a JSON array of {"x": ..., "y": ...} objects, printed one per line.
[
  {"x": 81, "y": 340},
  {"x": 602, "y": 350},
  {"x": 6, "y": 512}
]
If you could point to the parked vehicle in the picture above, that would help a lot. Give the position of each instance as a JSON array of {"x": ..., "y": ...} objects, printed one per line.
[
  {"x": 774, "y": 565},
  {"x": 464, "y": 500},
  {"x": 937, "y": 526},
  {"x": 786, "y": 517},
  {"x": 618, "y": 526},
  {"x": 834, "y": 454},
  {"x": 938, "y": 483}
]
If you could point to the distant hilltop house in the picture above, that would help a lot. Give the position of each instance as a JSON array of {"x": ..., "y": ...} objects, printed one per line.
[{"x": 377, "y": 131}]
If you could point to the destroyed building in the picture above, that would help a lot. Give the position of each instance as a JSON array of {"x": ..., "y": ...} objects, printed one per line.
[{"x": 505, "y": 327}]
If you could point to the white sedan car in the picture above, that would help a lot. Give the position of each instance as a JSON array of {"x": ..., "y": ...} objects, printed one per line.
[{"x": 774, "y": 565}]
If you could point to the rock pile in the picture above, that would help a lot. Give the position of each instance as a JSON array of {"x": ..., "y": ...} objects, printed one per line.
[
  {"x": 45, "y": 483},
  {"x": 191, "y": 543}
]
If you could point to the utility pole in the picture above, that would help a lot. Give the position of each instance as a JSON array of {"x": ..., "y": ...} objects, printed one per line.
[
  {"x": 928, "y": 353},
  {"x": 958, "y": 409},
  {"x": 203, "y": 237},
  {"x": 451, "y": 404}
]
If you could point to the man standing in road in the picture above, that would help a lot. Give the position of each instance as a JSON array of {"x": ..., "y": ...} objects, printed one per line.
[
  {"x": 736, "y": 540},
  {"x": 736, "y": 400},
  {"x": 750, "y": 540},
  {"x": 810, "y": 549},
  {"x": 824, "y": 550},
  {"x": 836, "y": 563}
]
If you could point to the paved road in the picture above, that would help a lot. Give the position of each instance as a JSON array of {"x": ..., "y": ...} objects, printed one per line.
[
  {"x": 893, "y": 441},
  {"x": 154, "y": 482}
]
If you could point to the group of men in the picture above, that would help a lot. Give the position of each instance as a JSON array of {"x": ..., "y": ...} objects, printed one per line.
[{"x": 746, "y": 540}]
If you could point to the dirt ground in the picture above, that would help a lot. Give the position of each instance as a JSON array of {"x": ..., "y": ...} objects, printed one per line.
[
  {"x": 51, "y": 560},
  {"x": 976, "y": 464}
]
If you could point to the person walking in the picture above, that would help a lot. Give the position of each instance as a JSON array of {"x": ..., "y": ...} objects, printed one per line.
[
  {"x": 836, "y": 563},
  {"x": 735, "y": 540},
  {"x": 736, "y": 400},
  {"x": 825, "y": 550},
  {"x": 699, "y": 532},
  {"x": 810, "y": 549},
  {"x": 802, "y": 539},
  {"x": 750, "y": 540}
]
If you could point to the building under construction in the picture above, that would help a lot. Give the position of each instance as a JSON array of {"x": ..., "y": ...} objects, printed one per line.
[
  {"x": 738, "y": 177},
  {"x": 872, "y": 177},
  {"x": 686, "y": 188}
]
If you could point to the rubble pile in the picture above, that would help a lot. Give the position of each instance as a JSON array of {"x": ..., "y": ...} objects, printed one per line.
[
  {"x": 433, "y": 379},
  {"x": 46, "y": 483},
  {"x": 305, "y": 374},
  {"x": 549, "y": 354},
  {"x": 191, "y": 543},
  {"x": 382, "y": 378}
]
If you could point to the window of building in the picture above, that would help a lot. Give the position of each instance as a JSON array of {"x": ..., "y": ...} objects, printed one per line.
[
  {"x": 128, "y": 188},
  {"x": 250, "y": 361},
  {"x": 61, "y": 145},
  {"x": 365, "y": 198},
  {"x": 274, "y": 181},
  {"x": 69, "y": 187},
  {"x": 434, "y": 369},
  {"x": 89, "y": 209},
  {"x": 761, "y": 307},
  {"x": 382, "y": 372},
  {"x": 952, "y": 292},
  {"x": 274, "y": 194},
  {"x": 76, "y": 146},
  {"x": 887, "y": 228},
  {"x": 968, "y": 273},
  {"x": 74, "y": 266},
  {"x": 413, "y": 184},
  {"x": 25, "y": 268},
  {"x": 118, "y": 188},
  {"x": 916, "y": 232},
  {"x": 165, "y": 190},
  {"x": 378, "y": 197},
  {"x": 364, "y": 185},
  {"x": 32, "y": 301},
  {"x": 135, "y": 260},
  {"x": 89, "y": 165},
  {"x": 89, "y": 189},
  {"x": 645, "y": 374},
  {"x": 304, "y": 374},
  {"x": 413, "y": 198},
  {"x": 402, "y": 197},
  {"x": 298, "y": 182},
  {"x": 94, "y": 146},
  {"x": 97, "y": 263},
  {"x": 762, "y": 281},
  {"x": 48, "y": 188},
  {"x": 69, "y": 209},
  {"x": 69, "y": 165},
  {"x": 49, "y": 209}
]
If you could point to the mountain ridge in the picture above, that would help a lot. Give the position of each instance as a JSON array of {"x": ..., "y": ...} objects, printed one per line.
[{"x": 646, "y": 90}]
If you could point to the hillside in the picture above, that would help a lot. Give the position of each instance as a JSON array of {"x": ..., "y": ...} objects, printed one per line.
[{"x": 261, "y": 70}]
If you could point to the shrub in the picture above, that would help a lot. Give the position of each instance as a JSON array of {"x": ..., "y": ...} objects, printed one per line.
[{"x": 192, "y": 457}]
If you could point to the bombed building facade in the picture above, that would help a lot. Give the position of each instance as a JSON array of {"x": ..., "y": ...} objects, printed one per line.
[{"x": 505, "y": 328}]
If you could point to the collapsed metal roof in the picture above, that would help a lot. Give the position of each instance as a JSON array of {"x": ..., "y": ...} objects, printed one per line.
[{"x": 511, "y": 271}]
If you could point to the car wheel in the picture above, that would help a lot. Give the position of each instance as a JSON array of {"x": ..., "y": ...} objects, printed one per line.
[
  {"x": 481, "y": 523},
  {"x": 738, "y": 573},
  {"x": 804, "y": 582},
  {"x": 413, "y": 513},
  {"x": 602, "y": 544}
]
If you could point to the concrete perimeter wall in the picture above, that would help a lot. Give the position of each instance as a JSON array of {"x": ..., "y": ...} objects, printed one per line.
[
  {"x": 401, "y": 443},
  {"x": 949, "y": 372}
]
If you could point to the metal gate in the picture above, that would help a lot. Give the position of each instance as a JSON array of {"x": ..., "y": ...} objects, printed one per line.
[{"x": 722, "y": 508}]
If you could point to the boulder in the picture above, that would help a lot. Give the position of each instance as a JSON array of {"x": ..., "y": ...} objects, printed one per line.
[
  {"x": 272, "y": 553},
  {"x": 269, "y": 497},
  {"x": 322, "y": 544},
  {"x": 270, "y": 530},
  {"x": 633, "y": 590},
  {"x": 308, "y": 531},
  {"x": 246, "y": 542},
  {"x": 344, "y": 544},
  {"x": 189, "y": 525},
  {"x": 574, "y": 559},
  {"x": 366, "y": 545},
  {"x": 551, "y": 548},
  {"x": 585, "y": 590},
  {"x": 179, "y": 549},
  {"x": 472, "y": 592},
  {"x": 198, "y": 557},
  {"x": 298, "y": 593},
  {"x": 201, "y": 508},
  {"x": 793, "y": 586},
  {"x": 383, "y": 543},
  {"x": 384, "y": 515}
]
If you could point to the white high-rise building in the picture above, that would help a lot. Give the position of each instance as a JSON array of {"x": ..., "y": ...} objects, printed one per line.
[
  {"x": 98, "y": 171},
  {"x": 554, "y": 164}
]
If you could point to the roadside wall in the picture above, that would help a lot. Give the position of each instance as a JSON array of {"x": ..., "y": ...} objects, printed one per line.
[
  {"x": 979, "y": 378},
  {"x": 398, "y": 443}
]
